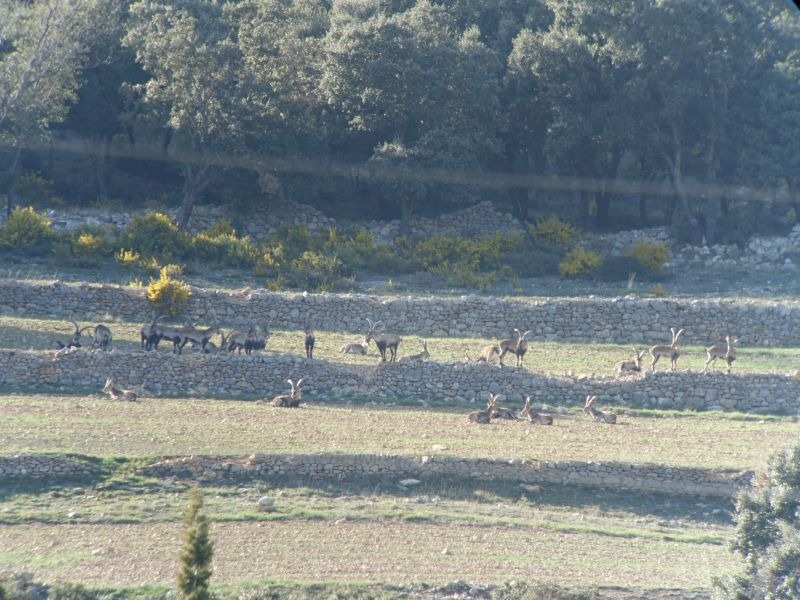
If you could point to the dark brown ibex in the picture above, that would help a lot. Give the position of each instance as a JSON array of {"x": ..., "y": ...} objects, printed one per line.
[
  {"x": 517, "y": 347},
  {"x": 383, "y": 341},
  {"x": 310, "y": 340},
  {"x": 102, "y": 337},
  {"x": 71, "y": 341}
]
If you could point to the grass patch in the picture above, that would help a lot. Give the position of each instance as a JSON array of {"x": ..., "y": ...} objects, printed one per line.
[{"x": 550, "y": 358}]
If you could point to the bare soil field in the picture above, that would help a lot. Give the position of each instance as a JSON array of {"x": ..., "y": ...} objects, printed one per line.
[{"x": 157, "y": 426}]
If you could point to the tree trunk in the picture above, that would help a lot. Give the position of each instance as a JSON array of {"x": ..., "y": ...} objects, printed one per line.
[
  {"x": 195, "y": 181},
  {"x": 406, "y": 210},
  {"x": 11, "y": 179},
  {"x": 603, "y": 210}
]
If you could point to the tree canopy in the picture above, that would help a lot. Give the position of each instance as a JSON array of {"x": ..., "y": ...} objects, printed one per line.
[{"x": 384, "y": 107}]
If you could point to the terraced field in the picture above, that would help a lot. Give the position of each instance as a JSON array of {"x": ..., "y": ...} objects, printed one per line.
[{"x": 121, "y": 528}]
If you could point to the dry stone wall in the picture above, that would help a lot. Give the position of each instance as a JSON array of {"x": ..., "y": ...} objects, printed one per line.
[
  {"x": 264, "y": 375},
  {"x": 646, "y": 478},
  {"x": 628, "y": 320},
  {"x": 215, "y": 469}
]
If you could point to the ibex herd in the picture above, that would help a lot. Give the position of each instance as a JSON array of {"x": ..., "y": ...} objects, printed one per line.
[
  {"x": 672, "y": 351},
  {"x": 495, "y": 411}
]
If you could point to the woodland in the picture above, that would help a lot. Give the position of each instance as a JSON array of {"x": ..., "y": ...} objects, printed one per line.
[{"x": 607, "y": 114}]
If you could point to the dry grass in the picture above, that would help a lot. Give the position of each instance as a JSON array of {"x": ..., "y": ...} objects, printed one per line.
[
  {"x": 98, "y": 426},
  {"x": 349, "y": 551}
]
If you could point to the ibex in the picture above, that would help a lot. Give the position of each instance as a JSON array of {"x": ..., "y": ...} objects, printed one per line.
[
  {"x": 289, "y": 400},
  {"x": 672, "y": 351},
  {"x": 598, "y": 415},
  {"x": 489, "y": 354},
  {"x": 310, "y": 340},
  {"x": 727, "y": 352},
  {"x": 481, "y": 416},
  {"x": 419, "y": 356},
  {"x": 516, "y": 347},
  {"x": 102, "y": 337},
  {"x": 236, "y": 340},
  {"x": 72, "y": 341},
  {"x": 118, "y": 394},
  {"x": 534, "y": 417},
  {"x": 197, "y": 337},
  {"x": 383, "y": 341},
  {"x": 154, "y": 333},
  {"x": 256, "y": 339},
  {"x": 355, "y": 347},
  {"x": 631, "y": 366},
  {"x": 499, "y": 412}
]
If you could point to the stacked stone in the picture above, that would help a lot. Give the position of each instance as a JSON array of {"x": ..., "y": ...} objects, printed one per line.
[{"x": 624, "y": 320}]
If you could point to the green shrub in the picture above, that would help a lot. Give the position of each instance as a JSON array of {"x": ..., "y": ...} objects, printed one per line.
[
  {"x": 34, "y": 189},
  {"x": 26, "y": 230},
  {"x": 320, "y": 272},
  {"x": 168, "y": 294},
  {"x": 222, "y": 227},
  {"x": 158, "y": 236},
  {"x": 554, "y": 233},
  {"x": 224, "y": 249},
  {"x": 197, "y": 550},
  {"x": 651, "y": 256},
  {"x": 579, "y": 262}
]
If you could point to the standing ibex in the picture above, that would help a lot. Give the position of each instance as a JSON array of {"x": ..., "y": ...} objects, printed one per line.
[
  {"x": 256, "y": 338},
  {"x": 197, "y": 337},
  {"x": 517, "y": 347},
  {"x": 118, "y": 394},
  {"x": 598, "y": 415},
  {"x": 672, "y": 351},
  {"x": 154, "y": 333},
  {"x": 727, "y": 352},
  {"x": 102, "y": 337},
  {"x": 71, "y": 341},
  {"x": 310, "y": 340},
  {"x": 289, "y": 400},
  {"x": 631, "y": 366},
  {"x": 383, "y": 341}
]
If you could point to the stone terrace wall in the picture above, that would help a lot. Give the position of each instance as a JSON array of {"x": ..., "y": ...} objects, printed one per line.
[
  {"x": 626, "y": 320},
  {"x": 42, "y": 465},
  {"x": 265, "y": 375},
  {"x": 646, "y": 478}
]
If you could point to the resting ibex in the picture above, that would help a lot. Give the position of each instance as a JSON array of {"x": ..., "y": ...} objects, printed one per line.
[
  {"x": 118, "y": 394},
  {"x": 419, "y": 356},
  {"x": 631, "y": 366},
  {"x": 481, "y": 416},
  {"x": 598, "y": 415},
  {"x": 102, "y": 337},
  {"x": 489, "y": 354},
  {"x": 383, "y": 341},
  {"x": 672, "y": 351},
  {"x": 517, "y": 347},
  {"x": 71, "y": 341},
  {"x": 534, "y": 417},
  {"x": 289, "y": 400},
  {"x": 355, "y": 347},
  {"x": 727, "y": 352},
  {"x": 499, "y": 412},
  {"x": 310, "y": 340}
]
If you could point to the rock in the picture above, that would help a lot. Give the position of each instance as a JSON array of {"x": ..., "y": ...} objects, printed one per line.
[{"x": 265, "y": 504}]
